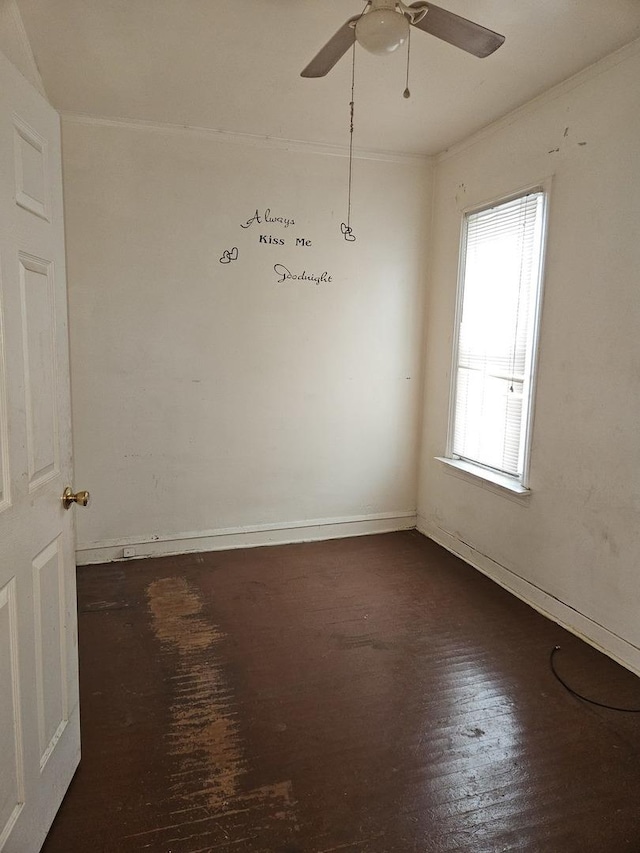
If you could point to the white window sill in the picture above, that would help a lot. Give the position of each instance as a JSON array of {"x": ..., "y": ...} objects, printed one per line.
[{"x": 494, "y": 480}]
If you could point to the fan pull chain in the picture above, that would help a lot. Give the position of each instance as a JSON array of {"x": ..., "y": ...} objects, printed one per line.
[
  {"x": 407, "y": 93},
  {"x": 346, "y": 229}
]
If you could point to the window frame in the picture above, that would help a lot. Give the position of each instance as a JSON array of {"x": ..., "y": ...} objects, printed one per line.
[{"x": 491, "y": 477}]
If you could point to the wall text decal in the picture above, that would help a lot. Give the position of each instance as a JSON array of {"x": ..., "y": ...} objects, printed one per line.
[
  {"x": 267, "y": 217},
  {"x": 286, "y": 275},
  {"x": 270, "y": 240},
  {"x": 264, "y": 223}
]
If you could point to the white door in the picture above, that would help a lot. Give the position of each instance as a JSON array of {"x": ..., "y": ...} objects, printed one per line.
[{"x": 39, "y": 714}]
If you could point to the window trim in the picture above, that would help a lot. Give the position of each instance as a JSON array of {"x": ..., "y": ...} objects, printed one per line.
[
  {"x": 494, "y": 480},
  {"x": 500, "y": 480}
]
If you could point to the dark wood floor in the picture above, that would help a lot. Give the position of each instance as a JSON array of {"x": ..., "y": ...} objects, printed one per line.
[{"x": 372, "y": 695}]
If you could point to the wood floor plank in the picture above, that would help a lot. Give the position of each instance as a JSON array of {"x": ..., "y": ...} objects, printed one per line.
[{"x": 373, "y": 695}]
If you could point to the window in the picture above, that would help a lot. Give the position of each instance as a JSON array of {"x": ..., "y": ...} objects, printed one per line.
[{"x": 499, "y": 297}]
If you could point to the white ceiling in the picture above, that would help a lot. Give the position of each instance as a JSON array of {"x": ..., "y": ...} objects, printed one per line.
[{"x": 234, "y": 65}]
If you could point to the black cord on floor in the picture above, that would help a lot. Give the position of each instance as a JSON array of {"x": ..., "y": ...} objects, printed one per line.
[{"x": 579, "y": 695}]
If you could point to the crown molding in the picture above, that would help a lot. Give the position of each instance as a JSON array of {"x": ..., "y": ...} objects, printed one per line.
[
  {"x": 250, "y": 139},
  {"x": 591, "y": 72}
]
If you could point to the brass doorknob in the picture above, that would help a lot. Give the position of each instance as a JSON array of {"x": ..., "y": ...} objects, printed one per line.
[{"x": 69, "y": 498}]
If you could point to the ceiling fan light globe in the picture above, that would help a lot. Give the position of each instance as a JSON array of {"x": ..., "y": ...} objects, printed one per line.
[{"x": 382, "y": 31}]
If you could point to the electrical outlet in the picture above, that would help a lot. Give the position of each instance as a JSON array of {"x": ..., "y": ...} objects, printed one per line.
[{"x": 128, "y": 552}]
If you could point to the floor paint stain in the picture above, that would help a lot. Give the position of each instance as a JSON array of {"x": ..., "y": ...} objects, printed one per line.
[
  {"x": 204, "y": 728},
  {"x": 204, "y": 737}
]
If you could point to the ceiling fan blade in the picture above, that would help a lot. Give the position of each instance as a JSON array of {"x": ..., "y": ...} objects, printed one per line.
[
  {"x": 458, "y": 31},
  {"x": 333, "y": 50}
]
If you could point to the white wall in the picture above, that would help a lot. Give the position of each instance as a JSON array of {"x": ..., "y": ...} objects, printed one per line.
[
  {"x": 572, "y": 548},
  {"x": 14, "y": 43},
  {"x": 217, "y": 407},
  {"x": 211, "y": 402}
]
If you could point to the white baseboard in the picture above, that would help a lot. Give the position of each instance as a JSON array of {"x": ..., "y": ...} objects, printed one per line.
[
  {"x": 577, "y": 623},
  {"x": 244, "y": 537}
]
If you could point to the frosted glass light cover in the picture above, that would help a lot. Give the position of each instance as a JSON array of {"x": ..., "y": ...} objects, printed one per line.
[{"x": 382, "y": 31}]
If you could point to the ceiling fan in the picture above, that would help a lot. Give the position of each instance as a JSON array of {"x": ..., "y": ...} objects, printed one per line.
[{"x": 384, "y": 26}]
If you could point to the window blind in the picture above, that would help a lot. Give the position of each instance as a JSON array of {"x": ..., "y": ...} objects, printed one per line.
[{"x": 500, "y": 280}]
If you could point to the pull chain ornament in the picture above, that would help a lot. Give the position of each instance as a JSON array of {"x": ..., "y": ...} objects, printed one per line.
[
  {"x": 407, "y": 93},
  {"x": 347, "y": 231}
]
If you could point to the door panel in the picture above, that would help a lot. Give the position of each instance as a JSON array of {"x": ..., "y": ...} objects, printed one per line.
[
  {"x": 49, "y": 621},
  {"x": 39, "y": 714},
  {"x": 30, "y": 159},
  {"x": 38, "y": 336},
  {"x": 4, "y": 436},
  {"x": 12, "y": 789}
]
